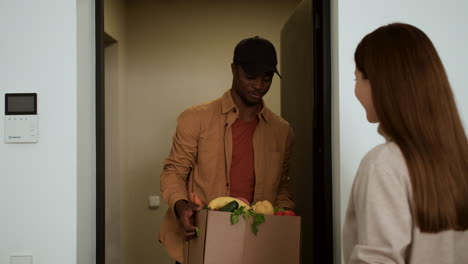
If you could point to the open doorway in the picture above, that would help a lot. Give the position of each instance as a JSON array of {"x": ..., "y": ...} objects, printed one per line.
[{"x": 170, "y": 55}]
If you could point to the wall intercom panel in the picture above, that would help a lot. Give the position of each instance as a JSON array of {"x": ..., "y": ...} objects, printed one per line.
[{"x": 21, "y": 119}]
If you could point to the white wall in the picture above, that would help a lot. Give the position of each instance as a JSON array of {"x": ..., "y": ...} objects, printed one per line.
[
  {"x": 444, "y": 22},
  {"x": 41, "y": 208}
]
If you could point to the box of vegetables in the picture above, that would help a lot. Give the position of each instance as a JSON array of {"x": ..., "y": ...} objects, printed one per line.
[{"x": 231, "y": 232}]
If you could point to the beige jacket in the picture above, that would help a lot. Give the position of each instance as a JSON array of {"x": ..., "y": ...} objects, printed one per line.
[
  {"x": 200, "y": 162},
  {"x": 379, "y": 225}
]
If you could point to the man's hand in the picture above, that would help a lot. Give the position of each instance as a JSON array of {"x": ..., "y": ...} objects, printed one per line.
[{"x": 184, "y": 211}]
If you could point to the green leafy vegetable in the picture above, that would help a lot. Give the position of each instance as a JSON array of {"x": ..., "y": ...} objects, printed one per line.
[
  {"x": 246, "y": 215},
  {"x": 197, "y": 230},
  {"x": 234, "y": 219},
  {"x": 235, "y": 215},
  {"x": 258, "y": 218},
  {"x": 279, "y": 209}
]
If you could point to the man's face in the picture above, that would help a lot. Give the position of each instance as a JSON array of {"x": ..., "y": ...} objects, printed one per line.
[{"x": 249, "y": 88}]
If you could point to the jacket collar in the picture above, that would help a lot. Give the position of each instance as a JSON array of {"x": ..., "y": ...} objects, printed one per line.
[{"x": 228, "y": 105}]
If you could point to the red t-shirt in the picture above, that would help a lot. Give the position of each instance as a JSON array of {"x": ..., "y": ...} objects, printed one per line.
[{"x": 242, "y": 176}]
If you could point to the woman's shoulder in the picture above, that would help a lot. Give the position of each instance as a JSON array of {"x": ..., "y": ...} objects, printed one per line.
[
  {"x": 384, "y": 164},
  {"x": 383, "y": 173},
  {"x": 387, "y": 154}
]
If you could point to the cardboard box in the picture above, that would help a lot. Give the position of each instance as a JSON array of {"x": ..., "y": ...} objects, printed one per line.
[{"x": 277, "y": 241}]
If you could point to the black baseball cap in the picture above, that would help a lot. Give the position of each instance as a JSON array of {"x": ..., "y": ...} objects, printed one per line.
[{"x": 256, "y": 55}]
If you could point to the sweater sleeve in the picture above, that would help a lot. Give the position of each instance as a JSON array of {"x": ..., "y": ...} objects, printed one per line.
[{"x": 383, "y": 214}]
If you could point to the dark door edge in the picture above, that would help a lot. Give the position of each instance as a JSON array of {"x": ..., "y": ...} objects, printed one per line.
[
  {"x": 100, "y": 134},
  {"x": 322, "y": 178}
]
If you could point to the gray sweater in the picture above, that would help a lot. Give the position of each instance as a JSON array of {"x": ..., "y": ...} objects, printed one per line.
[{"x": 379, "y": 226}]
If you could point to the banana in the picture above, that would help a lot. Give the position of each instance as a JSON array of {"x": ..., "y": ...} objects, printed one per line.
[{"x": 223, "y": 200}]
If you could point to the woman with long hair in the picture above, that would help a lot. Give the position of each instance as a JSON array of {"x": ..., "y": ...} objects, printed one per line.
[{"x": 409, "y": 200}]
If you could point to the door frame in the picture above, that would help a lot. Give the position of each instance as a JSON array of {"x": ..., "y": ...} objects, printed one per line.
[
  {"x": 322, "y": 142},
  {"x": 322, "y": 180}
]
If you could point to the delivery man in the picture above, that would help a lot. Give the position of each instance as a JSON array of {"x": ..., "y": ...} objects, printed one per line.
[{"x": 231, "y": 146}]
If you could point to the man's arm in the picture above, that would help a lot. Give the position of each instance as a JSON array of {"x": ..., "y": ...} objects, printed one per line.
[
  {"x": 283, "y": 198},
  {"x": 177, "y": 168}
]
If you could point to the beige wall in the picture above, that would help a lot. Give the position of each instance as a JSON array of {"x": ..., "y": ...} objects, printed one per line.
[
  {"x": 178, "y": 54},
  {"x": 115, "y": 108}
]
